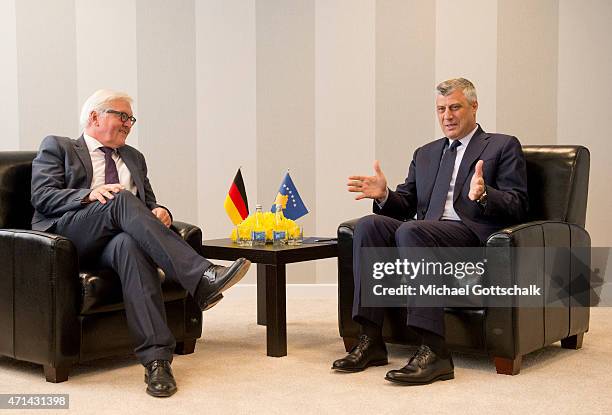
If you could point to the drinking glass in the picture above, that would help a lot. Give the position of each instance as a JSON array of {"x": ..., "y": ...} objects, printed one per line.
[
  {"x": 243, "y": 235},
  {"x": 295, "y": 235}
]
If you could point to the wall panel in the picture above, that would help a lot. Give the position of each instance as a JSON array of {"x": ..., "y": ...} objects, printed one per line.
[
  {"x": 107, "y": 51},
  {"x": 285, "y": 107},
  {"x": 9, "y": 116},
  {"x": 345, "y": 111},
  {"x": 46, "y": 63},
  {"x": 167, "y": 101}
]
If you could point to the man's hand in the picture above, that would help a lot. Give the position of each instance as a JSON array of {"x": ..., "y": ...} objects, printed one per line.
[
  {"x": 477, "y": 185},
  {"x": 371, "y": 187},
  {"x": 105, "y": 192},
  {"x": 163, "y": 215}
]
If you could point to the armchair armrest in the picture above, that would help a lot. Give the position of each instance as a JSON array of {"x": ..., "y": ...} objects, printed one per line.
[
  {"x": 193, "y": 315},
  {"x": 348, "y": 227},
  {"x": 520, "y": 230},
  {"x": 346, "y": 325},
  {"x": 39, "y": 295},
  {"x": 558, "y": 316},
  {"x": 190, "y": 233},
  {"x": 527, "y": 261},
  {"x": 345, "y": 255}
]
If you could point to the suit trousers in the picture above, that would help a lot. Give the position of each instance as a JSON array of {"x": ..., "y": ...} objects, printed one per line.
[
  {"x": 383, "y": 231},
  {"x": 124, "y": 235}
]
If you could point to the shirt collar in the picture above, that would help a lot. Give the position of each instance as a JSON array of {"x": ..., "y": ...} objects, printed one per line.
[
  {"x": 92, "y": 143},
  {"x": 466, "y": 140}
]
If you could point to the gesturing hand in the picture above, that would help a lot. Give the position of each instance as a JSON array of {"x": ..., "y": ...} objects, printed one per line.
[
  {"x": 477, "y": 184},
  {"x": 105, "y": 192},
  {"x": 372, "y": 187},
  {"x": 163, "y": 215}
]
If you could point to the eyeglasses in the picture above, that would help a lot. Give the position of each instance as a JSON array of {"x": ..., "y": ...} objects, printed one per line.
[{"x": 124, "y": 116}]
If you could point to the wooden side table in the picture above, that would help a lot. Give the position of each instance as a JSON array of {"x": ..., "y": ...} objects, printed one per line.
[{"x": 271, "y": 279}]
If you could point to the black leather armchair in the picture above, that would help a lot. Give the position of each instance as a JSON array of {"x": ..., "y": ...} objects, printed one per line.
[
  {"x": 51, "y": 311},
  {"x": 558, "y": 186}
]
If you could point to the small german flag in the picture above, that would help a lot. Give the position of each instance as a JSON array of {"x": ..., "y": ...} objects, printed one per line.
[{"x": 236, "y": 204}]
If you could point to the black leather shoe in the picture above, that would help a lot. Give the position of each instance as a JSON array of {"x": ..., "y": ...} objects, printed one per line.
[
  {"x": 368, "y": 352},
  {"x": 159, "y": 379},
  {"x": 423, "y": 368},
  {"x": 217, "y": 279}
]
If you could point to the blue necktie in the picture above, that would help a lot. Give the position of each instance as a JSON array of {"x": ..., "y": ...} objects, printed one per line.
[
  {"x": 111, "y": 175},
  {"x": 440, "y": 189}
]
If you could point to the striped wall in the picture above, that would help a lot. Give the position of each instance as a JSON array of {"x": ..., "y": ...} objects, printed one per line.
[{"x": 319, "y": 87}]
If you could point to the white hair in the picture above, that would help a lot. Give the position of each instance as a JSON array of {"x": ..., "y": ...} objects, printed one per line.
[{"x": 98, "y": 102}]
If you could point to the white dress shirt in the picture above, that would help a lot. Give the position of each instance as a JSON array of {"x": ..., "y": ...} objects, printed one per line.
[
  {"x": 449, "y": 211},
  {"x": 98, "y": 163}
]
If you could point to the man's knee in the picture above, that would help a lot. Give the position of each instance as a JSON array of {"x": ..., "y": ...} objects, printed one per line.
[
  {"x": 124, "y": 196},
  {"x": 368, "y": 223},
  {"x": 409, "y": 234},
  {"x": 123, "y": 248},
  {"x": 375, "y": 230},
  {"x": 124, "y": 199}
]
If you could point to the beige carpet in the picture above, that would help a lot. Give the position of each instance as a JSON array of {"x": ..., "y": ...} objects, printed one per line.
[{"x": 230, "y": 374}]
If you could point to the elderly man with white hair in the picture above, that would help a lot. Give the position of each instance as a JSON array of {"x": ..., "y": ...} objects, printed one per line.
[{"x": 95, "y": 191}]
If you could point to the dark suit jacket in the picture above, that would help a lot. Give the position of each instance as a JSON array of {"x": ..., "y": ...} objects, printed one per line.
[
  {"x": 62, "y": 173},
  {"x": 505, "y": 176}
]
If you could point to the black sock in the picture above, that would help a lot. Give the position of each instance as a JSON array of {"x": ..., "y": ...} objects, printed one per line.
[
  {"x": 370, "y": 329},
  {"x": 435, "y": 342}
]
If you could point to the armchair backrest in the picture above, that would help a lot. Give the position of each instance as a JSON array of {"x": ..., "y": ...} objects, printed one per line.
[
  {"x": 15, "y": 180},
  {"x": 558, "y": 182}
]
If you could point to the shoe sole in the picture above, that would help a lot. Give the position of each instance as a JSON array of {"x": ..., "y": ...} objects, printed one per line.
[
  {"x": 161, "y": 395},
  {"x": 218, "y": 296},
  {"x": 213, "y": 302},
  {"x": 446, "y": 376},
  {"x": 361, "y": 369}
]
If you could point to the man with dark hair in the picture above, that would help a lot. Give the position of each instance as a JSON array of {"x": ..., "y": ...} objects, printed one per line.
[
  {"x": 95, "y": 191},
  {"x": 461, "y": 188}
]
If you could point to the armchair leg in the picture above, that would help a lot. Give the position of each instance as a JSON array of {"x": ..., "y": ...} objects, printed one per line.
[
  {"x": 56, "y": 374},
  {"x": 349, "y": 343},
  {"x": 572, "y": 342},
  {"x": 185, "y": 347},
  {"x": 505, "y": 366}
]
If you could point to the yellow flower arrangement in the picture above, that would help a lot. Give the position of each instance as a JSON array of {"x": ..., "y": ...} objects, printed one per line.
[{"x": 269, "y": 223}]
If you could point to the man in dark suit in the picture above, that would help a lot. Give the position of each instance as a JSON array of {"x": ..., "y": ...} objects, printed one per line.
[
  {"x": 95, "y": 191},
  {"x": 461, "y": 188}
]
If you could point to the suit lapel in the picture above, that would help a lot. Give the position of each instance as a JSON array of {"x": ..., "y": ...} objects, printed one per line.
[
  {"x": 80, "y": 147},
  {"x": 132, "y": 166},
  {"x": 477, "y": 144},
  {"x": 433, "y": 166}
]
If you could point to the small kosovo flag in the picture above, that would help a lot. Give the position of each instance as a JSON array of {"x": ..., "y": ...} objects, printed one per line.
[{"x": 289, "y": 198}]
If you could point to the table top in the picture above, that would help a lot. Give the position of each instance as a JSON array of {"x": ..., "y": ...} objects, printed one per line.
[{"x": 269, "y": 254}]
